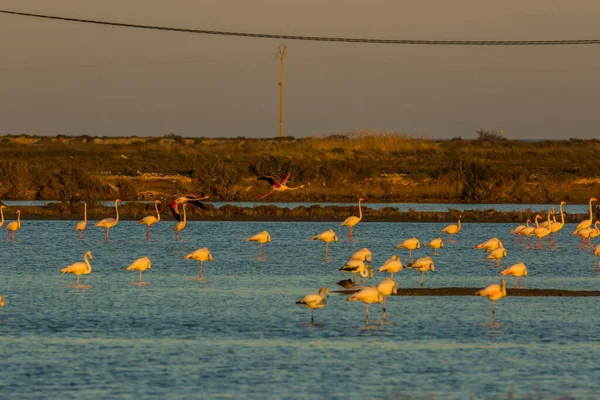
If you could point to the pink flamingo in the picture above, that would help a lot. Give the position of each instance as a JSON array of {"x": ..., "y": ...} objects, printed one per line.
[
  {"x": 150, "y": 220},
  {"x": 108, "y": 223},
  {"x": 277, "y": 186}
]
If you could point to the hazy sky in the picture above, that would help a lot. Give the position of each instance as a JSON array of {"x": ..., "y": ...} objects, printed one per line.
[{"x": 64, "y": 77}]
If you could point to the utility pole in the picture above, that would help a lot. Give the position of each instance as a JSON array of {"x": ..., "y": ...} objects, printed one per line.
[{"x": 281, "y": 53}]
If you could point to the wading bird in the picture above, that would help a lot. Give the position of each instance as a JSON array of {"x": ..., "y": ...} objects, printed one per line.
[
  {"x": 387, "y": 287},
  {"x": 350, "y": 222},
  {"x": 278, "y": 186},
  {"x": 585, "y": 223},
  {"x": 2, "y": 207},
  {"x": 363, "y": 254},
  {"x": 14, "y": 226},
  {"x": 81, "y": 225},
  {"x": 393, "y": 265},
  {"x": 1, "y": 301},
  {"x": 314, "y": 301},
  {"x": 368, "y": 295},
  {"x": 557, "y": 226},
  {"x": 358, "y": 267},
  {"x": 201, "y": 255},
  {"x": 596, "y": 255},
  {"x": 410, "y": 244},
  {"x": 519, "y": 230},
  {"x": 497, "y": 255},
  {"x": 108, "y": 223},
  {"x": 79, "y": 268},
  {"x": 150, "y": 220},
  {"x": 494, "y": 293},
  {"x": 452, "y": 229},
  {"x": 516, "y": 270},
  {"x": 141, "y": 264},
  {"x": 490, "y": 245},
  {"x": 189, "y": 199},
  {"x": 422, "y": 265},
  {"x": 262, "y": 238},
  {"x": 587, "y": 233},
  {"x": 328, "y": 236},
  {"x": 541, "y": 232},
  {"x": 528, "y": 232},
  {"x": 179, "y": 226},
  {"x": 435, "y": 244}
]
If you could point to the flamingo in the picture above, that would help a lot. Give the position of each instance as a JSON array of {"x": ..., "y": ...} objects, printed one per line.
[
  {"x": 519, "y": 230},
  {"x": 141, "y": 264},
  {"x": 596, "y": 255},
  {"x": 79, "y": 268},
  {"x": 14, "y": 226},
  {"x": 541, "y": 232},
  {"x": 393, "y": 265},
  {"x": 179, "y": 226},
  {"x": 587, "y": 233},
  {"x": 261, "y": 238},
  {"x": 328, "y": 236},
  {"x": 555, "y": 226},
  {"x": 497, "y": 255},
  {"x": 368, "y": 296},
  {"x": 314, "y": 301},
  {"x": 350, "y": 222},
  {"x": 358, "y": 267},
  {"x": 528, "y": 232},
  {"x": 201, "y": 255},
  {"x": 494, "y": 293},
  {"x": 363, "y": 254},
  {"x": 516, "y": 270},
  {"x": 1, "y": 301},
  {"x": 278, "y": 186},
  {"x": 387, "y": 287},
  {"x": 410, "y": 244},
  {"x": 422, "y": 265},
  {"x": 2, "y": 207},
  {"x": 108, "y": 223},
  {"x": 586, "y": 223},
  {"x": 490, "y": 245},
  {"x": 546, "y": 224},
  {"x": 150, "y": 220},
  {"x": 191, "y": 199},
  {"x": 452, "y": 229},
  {"x": 435, "y": 244},
  {"x": 81, "y": 225}
]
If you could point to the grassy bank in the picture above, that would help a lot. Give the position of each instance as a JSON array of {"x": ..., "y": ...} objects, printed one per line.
[{"x": 381, "y": 167}]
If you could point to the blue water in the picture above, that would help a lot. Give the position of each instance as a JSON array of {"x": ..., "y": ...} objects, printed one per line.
[
  {"x": 240, "y": 335},
  {"x": 419, "y": 207}
]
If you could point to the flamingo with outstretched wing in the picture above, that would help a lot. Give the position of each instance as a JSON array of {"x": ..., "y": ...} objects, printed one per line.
[{"x": 277, "y": 185}]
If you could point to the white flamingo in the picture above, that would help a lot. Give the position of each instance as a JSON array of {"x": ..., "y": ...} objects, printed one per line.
[
  {"x": 490, "y": 244},
  {"x": 452, "y": 229},
  {"x": 494, "y": 293},
  {"x": 541, "y": 232},
  {"x": 141, "y": 264},
  {"x": 587, "y": 233},
  {"x": 2, "y": 207},
  {"x": 516, "y": 270},
  {"x": 435, "y": 244},
  {"x": 314, "y": 301},
  {"x": 497, "y": 255},
  {"x": 328, "y": 236},
  {"x": 585, "y": 223},
  {"x": 262, "y": 238},
  {"x": 79, "y": 268},
  {"x": 14, "y": 226},
  {"x": 200, "y": 255},
  {"x": 422, "y": 265},
  {"x": 368, "y": 295},
  {"x": 557, "y": 226},
  {"x": 350, "y": 222},
  {"x": 358, "y": 267},
  {"x": 363, "y": 254},
  {"x": 81, "y": 225},
  {"x": 150, "y": 220},
  {"x": 410, "y": 244},
  {"x": 393, "y": 266},
  {"x": 179, "y": 226},
  {"x": 387, "y": 287},
  {"x": 519, "y": 230},
  {"x": 108, "y": 223}
]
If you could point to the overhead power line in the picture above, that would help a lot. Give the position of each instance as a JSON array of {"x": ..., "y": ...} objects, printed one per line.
[{"x": 319, "y": 38}]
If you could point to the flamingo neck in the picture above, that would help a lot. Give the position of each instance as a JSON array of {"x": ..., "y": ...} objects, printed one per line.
[
  {"x": 527, "y": 223},
  {"x": 363, "y": 273},
  {"x": 157, "y": 213},
  {"x": 2, "y": 215},
  {"x": 184, "y": 217},
  {"x": 19, "y": 220},
  {"x": 359, "y": 211},
  {"x": 458, "y": 224},
  {"x": 562, "y": 216},
  {"x": 87, "y": 262},
  {"x": 117, "y": 210},
  {"x": 85, "y": 212},
  {"x": 591, "y": 210},
  {"x": 536, "y": 222}
]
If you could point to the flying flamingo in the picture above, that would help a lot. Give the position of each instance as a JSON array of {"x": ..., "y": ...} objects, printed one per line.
[
  {"x": 497, "y": 255},
  {"x": 557, "y": 226},
  {"x": 422, "y": 265},
  {"x": 368, "y": 296},
  {"x": 150, "y": 220},
  {"x": 363, "y": 254},
  {"x": 277, "y": 186},
  {"x": 141, "y": 264},
  {"x": 586, "y": 223},
  {"x": 2, "y": 207},
  {"x": 201, "y": 255},
  {"x": 494, "y": 293},
  {"x": 188, "y": 199},
  {"x": 328, "y": 236},
  {"x": 452, "y": 229},
  {"x": 358, "y": 267},
  {"x": 262, "y": 238},
  {"x": 490, "y": 245},
  {"x": 81, "y": 225},
  {"x": 350, "y": 222},
  {"x": 314, "y": 301},
  {"x": 14, "y": 226},
  {"x": 516, "y": 270},
  {"x": 410, "y": 244},
  {"x": 596, "y": 255},
  {"x": 519, "y": 231},
  {"x": 435, "y": 244},
  {"x": 387, "y": 287},
  {"x": 79, "y": 268},
  {"x": 393, "y": 265},
  {"x": 108, "y": 223},
  {"x": 179, "y": 226}
]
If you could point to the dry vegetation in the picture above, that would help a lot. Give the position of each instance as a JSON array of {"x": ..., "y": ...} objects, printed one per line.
[{"x": 379, "y": 166}]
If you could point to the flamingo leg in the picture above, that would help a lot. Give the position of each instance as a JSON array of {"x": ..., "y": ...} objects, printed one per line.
[
  {"x": 312, "y": 317},
  {"x": 260, "y": 251},
  {"x": 77, "y": 281},
  {"x": 200, "y": 270},
  {"x": 148, "y": 233},
  {"x": 262, "y": 197},
  {"x": 422, "y": 278},
  {"x": 367, "y": 315},
  {"x": 326, "y": 250},
  {"x": 107, "y": 234},
  {"x": 410, "y": 254},
  {"x": 354, "y": 276},
  {"x": 498, "y": 263},
  {"x": 517, "y": 282},
  {"x": 384, "y": 308},
  {"x": 140, "y": 276},
  {"x": 350, "y": 234},
  {"x": 493, "y": 311}
]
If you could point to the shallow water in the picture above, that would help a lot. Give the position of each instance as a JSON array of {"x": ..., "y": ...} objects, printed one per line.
[{"x": 240, "y": 335}]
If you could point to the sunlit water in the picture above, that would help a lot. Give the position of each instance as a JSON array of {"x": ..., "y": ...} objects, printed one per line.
[{"x": 240, "y": 335}]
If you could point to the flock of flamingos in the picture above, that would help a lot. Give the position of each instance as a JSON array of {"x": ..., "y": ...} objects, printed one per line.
[{"x": 359, "y": 262}]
